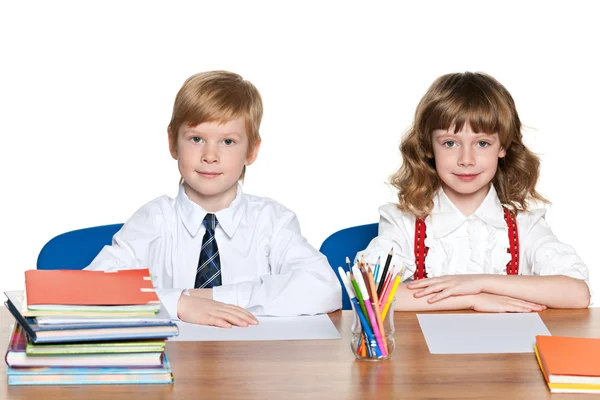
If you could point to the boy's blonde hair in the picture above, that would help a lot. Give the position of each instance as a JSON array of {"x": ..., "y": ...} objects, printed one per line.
[
  {"x": 450, "y": 102},
  {"x": 217, "y": 96}
]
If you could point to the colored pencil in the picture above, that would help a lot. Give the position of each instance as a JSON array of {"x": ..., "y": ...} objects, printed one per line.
[
  {"x": 376, "y": 270},
  {"x": 385, "y": 270},
  {"x": 386, "y": 290},
  {"x": 361, "y": 300},
  {"x": 391, "y": 296}
]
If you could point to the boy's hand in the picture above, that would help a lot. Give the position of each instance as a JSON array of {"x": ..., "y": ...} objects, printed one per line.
[
  {"x": 486, "y": 302},
  {"x": 200, "y": 309},
  {"x": 449, "y": 285}
]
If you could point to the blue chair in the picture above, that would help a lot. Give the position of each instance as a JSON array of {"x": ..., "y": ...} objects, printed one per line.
[
  {"x": 346, "y": 243},
  {"x": 76, "y": 249}
]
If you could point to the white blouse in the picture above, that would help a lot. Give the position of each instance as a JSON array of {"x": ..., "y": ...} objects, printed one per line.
[
  {"x": 476, "y": 244},
  {"x": 267, "y": 266}
]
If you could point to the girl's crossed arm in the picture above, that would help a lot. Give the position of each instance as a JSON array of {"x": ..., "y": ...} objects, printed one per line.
[
  {"x": 556, "y": 291},
  {"x": 559, "y": 277}
]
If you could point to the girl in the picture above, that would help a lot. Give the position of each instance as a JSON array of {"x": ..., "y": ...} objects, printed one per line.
[{"x": 463, "y": 230}]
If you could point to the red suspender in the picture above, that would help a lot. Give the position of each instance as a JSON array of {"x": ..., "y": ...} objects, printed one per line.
[
  {"x": 420, "y": 249},
  {"x": 512, "y": 268}
]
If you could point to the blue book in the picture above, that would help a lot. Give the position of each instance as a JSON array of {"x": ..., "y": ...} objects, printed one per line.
[
  {"x": 60, "y": 333},
  {"x": 90, "y": 376}
]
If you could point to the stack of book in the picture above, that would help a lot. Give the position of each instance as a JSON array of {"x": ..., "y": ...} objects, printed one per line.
[
  {"x": 569, "y": 364},
  {"x": 88, "y": 327}
]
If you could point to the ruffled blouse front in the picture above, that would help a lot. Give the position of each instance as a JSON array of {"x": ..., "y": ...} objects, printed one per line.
[
  {"x": 472, "y": 245},
  {"x": 466, "y": 245}
]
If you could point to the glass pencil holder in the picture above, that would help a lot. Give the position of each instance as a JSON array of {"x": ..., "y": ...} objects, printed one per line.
[{"x": 375, "y": 341}]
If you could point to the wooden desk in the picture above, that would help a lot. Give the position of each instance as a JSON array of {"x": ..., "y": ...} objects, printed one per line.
[{"x": 328, "y": 370}]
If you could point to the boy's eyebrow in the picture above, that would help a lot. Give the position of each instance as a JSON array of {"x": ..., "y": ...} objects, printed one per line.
[{"x": 192, "y": 131}]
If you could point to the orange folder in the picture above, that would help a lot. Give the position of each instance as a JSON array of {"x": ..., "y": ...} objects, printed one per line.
[
  {"x": 90, "y": 288},
  {"x": 570, "y": 355}
]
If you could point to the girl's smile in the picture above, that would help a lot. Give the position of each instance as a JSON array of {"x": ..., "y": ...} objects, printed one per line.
[{"x": 466, "y": 177}]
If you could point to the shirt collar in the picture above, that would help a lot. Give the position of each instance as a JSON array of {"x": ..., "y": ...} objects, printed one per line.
[
  {"x": 193, "y": 214},
  {"x": 491, "y": 211},
  {"x": 445, "y": 217}
]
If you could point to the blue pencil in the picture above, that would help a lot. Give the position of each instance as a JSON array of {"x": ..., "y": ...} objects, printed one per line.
[{"x": 348, "y": 265}]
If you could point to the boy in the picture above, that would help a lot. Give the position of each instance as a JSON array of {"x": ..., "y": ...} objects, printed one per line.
[{"x": 217, "y": 255}]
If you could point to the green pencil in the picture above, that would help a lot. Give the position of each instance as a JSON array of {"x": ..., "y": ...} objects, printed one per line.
[{"x": 358, "y": 294}]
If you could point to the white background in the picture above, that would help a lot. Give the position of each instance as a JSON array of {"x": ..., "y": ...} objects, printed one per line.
[{"x": 87, "y": 88}]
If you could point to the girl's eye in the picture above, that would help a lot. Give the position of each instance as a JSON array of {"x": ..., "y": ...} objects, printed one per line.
[
  {"x": 449, "y": 143},
  {"x": 196, "y": 139},
  {"x": 228, "y": 142},
  {"x": 483, "y": 143}
]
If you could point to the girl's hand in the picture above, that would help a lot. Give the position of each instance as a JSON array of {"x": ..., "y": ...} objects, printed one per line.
[
  {"x": 449, "y": 285},
  {"x": 198, "y": 309},
  {"x": 486, "y": 302}
]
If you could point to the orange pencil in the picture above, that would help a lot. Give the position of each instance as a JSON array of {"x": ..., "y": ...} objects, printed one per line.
[
  {"x": 362, "y": 350},
  {"x": 377, "y": 310}
]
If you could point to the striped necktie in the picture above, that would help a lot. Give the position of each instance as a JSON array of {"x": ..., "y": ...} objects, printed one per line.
[{"x": 208, "y": 273}]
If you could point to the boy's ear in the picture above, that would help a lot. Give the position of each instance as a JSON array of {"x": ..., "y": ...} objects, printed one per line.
[
  {"x": 252, "y": 153},
  {"x": 172, "y": 144}
]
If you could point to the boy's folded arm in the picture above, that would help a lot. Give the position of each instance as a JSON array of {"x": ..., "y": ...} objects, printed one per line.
[
  {"x": 301, "y": 280},
  {"x": 170, "y": 299},
  {"x": 131, "y": 246},
  {"x": 142, "y": 234}
]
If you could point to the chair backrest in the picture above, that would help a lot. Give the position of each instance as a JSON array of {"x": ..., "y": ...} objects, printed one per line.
[
  {"x": 347, "y": 242},
  {"x": 76, "y": 249}
]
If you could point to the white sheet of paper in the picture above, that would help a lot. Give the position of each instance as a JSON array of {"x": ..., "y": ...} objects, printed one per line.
[
  {"x": 481, "y": 333},
  {"x": 312, "y": 327}
]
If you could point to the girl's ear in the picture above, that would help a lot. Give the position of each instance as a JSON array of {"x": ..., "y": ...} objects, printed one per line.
[
  {"x": 502, "y": 153},
  {"x": 172, "y": 143}
]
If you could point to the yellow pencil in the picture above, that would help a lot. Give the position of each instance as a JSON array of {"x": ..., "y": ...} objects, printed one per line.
[
  {"x": 391, "y": 296},
  {"x": 377, "y": 309}
]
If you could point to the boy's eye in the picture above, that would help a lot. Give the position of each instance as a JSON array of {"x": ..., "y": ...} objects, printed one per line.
[
  {"x": 228, "y": 142},
  {"x": 449, "y": 143},
  {"x": 196, "y": 139},
  {"x": 483, "y": 143}
]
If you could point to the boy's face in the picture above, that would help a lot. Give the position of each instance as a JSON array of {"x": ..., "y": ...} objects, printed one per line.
[
  {"x": 211, "y": 157},
  {"x": 466, "y": 161}
]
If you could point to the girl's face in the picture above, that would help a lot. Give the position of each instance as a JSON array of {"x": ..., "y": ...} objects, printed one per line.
[{"x": 466, "y": 161}]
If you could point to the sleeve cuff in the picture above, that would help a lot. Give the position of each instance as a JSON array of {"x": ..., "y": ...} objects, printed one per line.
[
  {"x": 237, "y": 294},
  {"x": 591, "y": 292},
  {"x": 169, "y": 299}
]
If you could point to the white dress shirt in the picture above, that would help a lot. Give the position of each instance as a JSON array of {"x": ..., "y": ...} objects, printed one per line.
[
  {"x": 476, "y": 244},
  {"x": 267, "y": 266}
]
